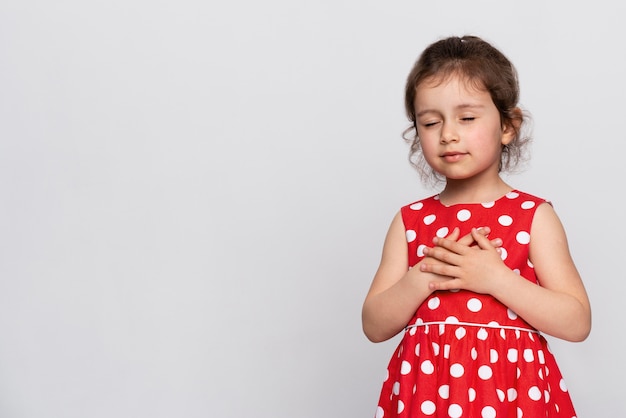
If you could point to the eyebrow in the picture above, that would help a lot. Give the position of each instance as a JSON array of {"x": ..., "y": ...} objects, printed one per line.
[{"x": 462, "y": 106}]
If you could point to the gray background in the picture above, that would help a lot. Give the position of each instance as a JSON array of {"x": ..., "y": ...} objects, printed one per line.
[{"x": 194, "y": 196}]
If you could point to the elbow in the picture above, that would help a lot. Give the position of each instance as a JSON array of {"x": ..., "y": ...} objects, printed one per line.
[
  {"x": 581, "y": 331},
  {"x": 373, "y": 336},
  {"x": 374, "y": 333}
]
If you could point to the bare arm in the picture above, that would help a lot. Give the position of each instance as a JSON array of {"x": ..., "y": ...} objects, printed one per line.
[
  {"x": 396, "y": 291},
  {"x": 559, "y": 307}
]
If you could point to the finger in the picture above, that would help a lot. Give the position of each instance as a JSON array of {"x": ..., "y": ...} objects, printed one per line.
[
  {"x": 454, "y": 235},
  {"x": 451, "y": 284},
  {"x": 441, "y": 269},
  {"x": 482, "y": 241},
  {"x": 496, "y": 243},
  {"x": 469, "y": 239},
  {"x": 456, "y": 247}
]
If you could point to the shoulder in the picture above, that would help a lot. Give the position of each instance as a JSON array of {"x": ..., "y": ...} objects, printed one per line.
[
  {"x": 420, "y": 204},
  {"x": 526, "y": 197}
]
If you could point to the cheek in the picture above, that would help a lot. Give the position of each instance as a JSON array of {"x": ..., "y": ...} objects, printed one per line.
[{"x": 429, "y": 142}]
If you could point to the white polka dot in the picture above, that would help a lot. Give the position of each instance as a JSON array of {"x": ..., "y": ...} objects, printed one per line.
[
  {"x": 540, "y": 357},
  {"x": 457, "y": 370},
  {"x": 428, "y": 407},
  {"x": 503, "y": 253},
  {"x": 442, "y": 232},
  {"x": 528, "y": 355},
  {"x": 400, "y": 406},
  {"x": 512, "y": 195},
  {"x": 452, "y": 320},
  {"x": 520, "y": 413},
  {"x": 455, "y": 411},
  {"x": 429, "y": 219},
  {"x": 482, "y": 334},
  {"x": 511, "y": 394},
  {"x": 444, "y": 391},
  {"x": 460, "y": 333},
  {"x": 528, "y": 204},
  {"x": 463, "y": 215},
  {"x": 500, "y": 394},
  {"x": 405, "y": 368},
  {"x": 488, "y": 412},
  {"x": 505, "y": 220},
  {"x": 493, "y": 355},
  {"x": 471, "y": 394},
  {"x": 485, "y": 372},
  {"x": 488, "y": 204},
  {"x": 546, "y": 396},
  {"x": 417, "y": 349},
  {"x": 433, "y": 303},
  {"x": 511, "y": 355},
  {"x": 427, "y": 367},
  {"x": 442, "y": 329},
  {"x": 511, "y": 314},
  {"x": 446, "y": 351},
  {"x": 380, "y": 412},
  {"x": 395, "y": 389},
  {"x": 534, "y": 393},
  {"x": 420, "y": 250},
  {"x": 522, "y": 237},
  {"x": 562, "y": 385},
  {"x": 474, "y": 353},
  {"x": 474, "y": 305},
  {"x": 386, "y": 375},
  {"x": 417, "y": 206},
  {"x": 410, "y": 235},
  {"x": 540, "y": 374},
  {"x": 503, "y": 334}
]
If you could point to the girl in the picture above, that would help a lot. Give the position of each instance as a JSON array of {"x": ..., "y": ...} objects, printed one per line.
[{"x": 474, "y": 273}]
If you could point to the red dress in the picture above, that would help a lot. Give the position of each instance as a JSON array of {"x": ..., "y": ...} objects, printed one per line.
[{"x": 465, "y": 354}]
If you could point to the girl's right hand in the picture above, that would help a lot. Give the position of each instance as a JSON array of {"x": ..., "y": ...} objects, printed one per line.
[{"x": 466, "y": 240}]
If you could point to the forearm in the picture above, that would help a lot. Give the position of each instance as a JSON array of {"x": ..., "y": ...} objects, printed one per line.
[
  {"x": 555, "y": 313},
  {"x": 387, "y": 313}
]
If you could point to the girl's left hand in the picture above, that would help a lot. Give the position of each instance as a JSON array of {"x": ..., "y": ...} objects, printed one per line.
[{"x": 476, "y": 267}]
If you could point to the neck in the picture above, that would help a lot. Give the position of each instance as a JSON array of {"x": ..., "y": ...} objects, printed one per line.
[{"x": 466, "y": 192}]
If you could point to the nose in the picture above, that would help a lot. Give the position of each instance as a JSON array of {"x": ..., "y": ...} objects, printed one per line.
[{"x": 448, "y": 133}]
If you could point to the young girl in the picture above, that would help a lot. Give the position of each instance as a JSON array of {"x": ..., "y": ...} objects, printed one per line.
[{"x": 475, "y": 273}]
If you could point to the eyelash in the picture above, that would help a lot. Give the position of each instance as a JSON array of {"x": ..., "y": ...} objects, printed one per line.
[{"x": 465, "y": 119}]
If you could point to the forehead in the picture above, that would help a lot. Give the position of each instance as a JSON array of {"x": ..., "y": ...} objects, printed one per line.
[{"x": 451, "y": 88}]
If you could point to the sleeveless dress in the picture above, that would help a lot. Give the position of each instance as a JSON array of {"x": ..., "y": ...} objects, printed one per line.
[{"x": 465, "y": 354}]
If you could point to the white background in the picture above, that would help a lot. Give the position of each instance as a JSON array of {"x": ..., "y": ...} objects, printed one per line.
[{"x": 194, "y": 196}]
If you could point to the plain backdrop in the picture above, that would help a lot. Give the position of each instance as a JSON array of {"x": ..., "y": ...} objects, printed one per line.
[{"x": 194, "y": 195}]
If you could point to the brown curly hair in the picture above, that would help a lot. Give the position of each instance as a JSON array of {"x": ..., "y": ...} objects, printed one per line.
[{"x": 484, "y": 67}]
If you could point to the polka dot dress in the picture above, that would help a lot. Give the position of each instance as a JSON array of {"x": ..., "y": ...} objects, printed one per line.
[{"x": 465, "y": 354}]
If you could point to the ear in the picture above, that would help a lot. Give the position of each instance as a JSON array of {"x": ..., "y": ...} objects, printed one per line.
[{"x": 511, "y": 127}]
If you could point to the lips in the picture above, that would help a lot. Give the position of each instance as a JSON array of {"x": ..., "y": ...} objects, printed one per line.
[{"x": 452, "y": 156}]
